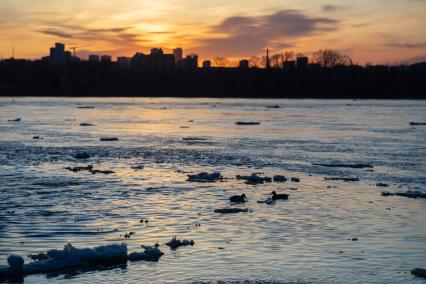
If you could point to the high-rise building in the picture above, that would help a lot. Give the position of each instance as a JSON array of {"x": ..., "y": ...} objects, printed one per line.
[
  {"x": 60, "y": 47},
  {"x": 190, "y": 61},
  {"x": 207, "y": 64},
  {"x": 106, "y": 58},
  {"x": 94, "y": 58},
  {"x": 156, "y": 51},
  {"x": 57, "y": 54},
  {"x": 68, "y": 56},
  {"x": 123, "y": 62},
  {"x": 244, "y": 64},
  {"x": 289, "y": 65},
  {"x": 157, "y": 60},
  {"x": 139, "y": 61},
  {"x": 178, "y": 55}
]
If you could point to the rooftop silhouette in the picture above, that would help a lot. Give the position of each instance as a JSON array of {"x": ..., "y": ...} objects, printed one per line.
[{"x": 326, "y": 74}]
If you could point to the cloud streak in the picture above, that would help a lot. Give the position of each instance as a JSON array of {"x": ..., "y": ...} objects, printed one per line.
[
  {"x": 113, "y": 35},
  {"x": 56, "y": 33},
  {"x": 243, "y": 35},
  {"x": 330, "y": 8},
  {"x": 407, "y": 45}
]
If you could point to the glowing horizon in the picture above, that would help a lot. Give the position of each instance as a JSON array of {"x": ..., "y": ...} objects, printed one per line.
[{"x": 379, "y": 32}]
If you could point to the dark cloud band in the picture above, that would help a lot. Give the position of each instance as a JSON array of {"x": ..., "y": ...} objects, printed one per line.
[{"x": 248, "y": 35}]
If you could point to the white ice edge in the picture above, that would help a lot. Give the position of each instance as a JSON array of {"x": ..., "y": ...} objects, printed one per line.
[{"x": 74, "y": 257}]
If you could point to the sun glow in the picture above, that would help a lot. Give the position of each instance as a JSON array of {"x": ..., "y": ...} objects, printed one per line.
[{"x": 218, "y": 29}]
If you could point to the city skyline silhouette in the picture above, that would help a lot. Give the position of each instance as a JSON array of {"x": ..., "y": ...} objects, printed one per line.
[{"x": 379, "y": 32}]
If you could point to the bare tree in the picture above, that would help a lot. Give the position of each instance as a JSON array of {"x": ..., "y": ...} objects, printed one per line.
[
  {"x": 276, "y": 61},
  {"x": 255, "y": 61},
  {"x": 331, "y": 58},
  {"x": 263, "y": 61},
  {"x": 220, "y": 62},
  {"x": 288, "y": 55}
]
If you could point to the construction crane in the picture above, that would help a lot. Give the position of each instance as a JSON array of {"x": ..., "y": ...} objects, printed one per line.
[{"x": 73, "y": 48}]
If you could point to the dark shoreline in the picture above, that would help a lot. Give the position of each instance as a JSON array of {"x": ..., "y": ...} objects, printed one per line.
[
  {"x": 19, "y": 92},
  {"x": 84, "y": 79}
]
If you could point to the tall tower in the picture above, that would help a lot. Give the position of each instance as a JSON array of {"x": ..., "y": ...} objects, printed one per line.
[
  {"x": 268, "y": 63},
  {"x": 178, "y": 54},
  {"x": 73, "y": 50}
]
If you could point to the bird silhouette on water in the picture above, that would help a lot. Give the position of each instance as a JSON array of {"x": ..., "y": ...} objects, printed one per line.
[
  {"x": 238, "y": 198},
  {"x": 276, "y": 196}
]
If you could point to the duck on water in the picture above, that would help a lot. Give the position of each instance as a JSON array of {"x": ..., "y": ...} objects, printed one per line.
[
  {"x": 281, "y": 196},
  {"x": 238, "y": 198}
]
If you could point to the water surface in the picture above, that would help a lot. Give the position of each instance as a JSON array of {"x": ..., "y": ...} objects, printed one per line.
[{"x": 43, "y": 206}]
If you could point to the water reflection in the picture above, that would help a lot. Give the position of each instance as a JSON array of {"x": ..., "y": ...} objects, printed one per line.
[{"x": 304, "y": 239}]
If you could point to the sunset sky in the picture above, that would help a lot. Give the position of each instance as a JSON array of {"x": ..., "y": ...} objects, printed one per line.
[{"x": 377, "y": 31}]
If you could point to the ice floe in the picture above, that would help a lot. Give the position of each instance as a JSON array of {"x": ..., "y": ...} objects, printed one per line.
[
  {"x": 247, "y": 123},
  {"x": 231, "y": 210},
  {"x": 205, "y": 177},
  {"x": 72, "y": 257},
  {"x": 174, "y": 243},
  {"x": 409, "y": 194},
  {"x": 338, "y": 165},
  {"x": 253, "y": 179}
]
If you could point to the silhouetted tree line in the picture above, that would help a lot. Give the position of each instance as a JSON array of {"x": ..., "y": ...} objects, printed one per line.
[{"x": 333, "y": 76}]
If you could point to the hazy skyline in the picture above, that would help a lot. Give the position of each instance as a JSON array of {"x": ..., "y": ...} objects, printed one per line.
[{"x": 381, "y": 31}]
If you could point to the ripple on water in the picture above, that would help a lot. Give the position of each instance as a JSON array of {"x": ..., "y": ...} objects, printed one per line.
[{"x": 302, "y": 240}]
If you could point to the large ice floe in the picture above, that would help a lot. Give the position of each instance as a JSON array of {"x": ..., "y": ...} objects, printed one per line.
[{"x": 71, "y": 257}]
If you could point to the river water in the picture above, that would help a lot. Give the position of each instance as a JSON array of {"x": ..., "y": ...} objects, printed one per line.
[{"x": 307, "y": 239}]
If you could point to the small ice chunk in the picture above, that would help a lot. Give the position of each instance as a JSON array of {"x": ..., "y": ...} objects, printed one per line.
[
  {"x": 205, "y": 177},
  {"x": 109, "y": 139}
]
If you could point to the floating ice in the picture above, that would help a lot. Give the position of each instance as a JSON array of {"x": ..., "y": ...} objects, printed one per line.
[
  {"x": 150, "y": 254},
  {"x": 15, "y": 120},
  {"x": 419, "y": 272},
  {"x": 66, "y": 258},
  {"x": 194, "y": 139},
  {"x": 231, "y": 210},
  {"x": 280, "y": 178},
  {"x": 71, "y": 257},
  {"x": 86, "y": 124},
  {"x": 90, "y": 169},
  {"x": 109, "y": 139},
  {"x": 409, "y": 194},
  {"x": 138, "y": 167},
  {"x": 205, "y": 177},
  {"x": 254, "y": 179},
  {"x": 174, "y": 243},
  {"x": 16, "y": 263},
  {"x": 342, "y": 178},
  {"x": 354, "y": 166},
  {"x": 247, "y": 123}
]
